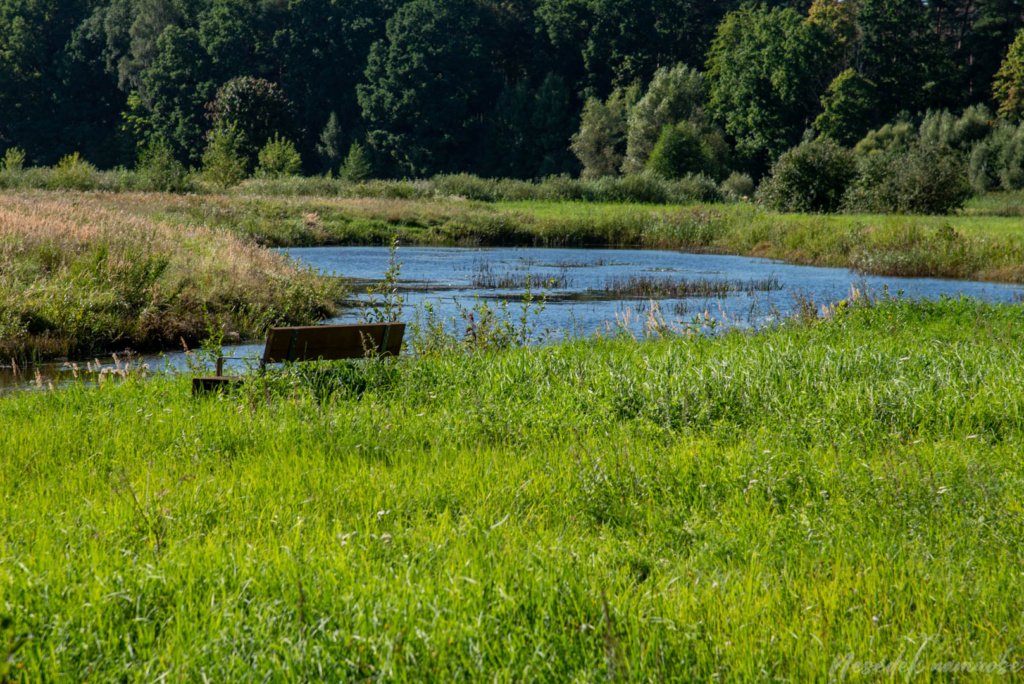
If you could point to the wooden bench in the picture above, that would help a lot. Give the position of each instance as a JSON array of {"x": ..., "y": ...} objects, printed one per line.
[{"x": 316, "y": 343}]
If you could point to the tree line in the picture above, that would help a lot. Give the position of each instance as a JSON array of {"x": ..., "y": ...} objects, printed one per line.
[{"x": 500, "y": 88}]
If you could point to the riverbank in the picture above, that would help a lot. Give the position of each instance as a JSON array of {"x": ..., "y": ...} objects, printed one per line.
[
  {"x": 975, "y": 246},
  {"x": 80, "y": 275},
  {"x": 596, "y": 510},
  {"x": 86, "y": 273}
]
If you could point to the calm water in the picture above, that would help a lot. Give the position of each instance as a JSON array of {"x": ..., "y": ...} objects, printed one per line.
[{"x": 575, "y": 282}]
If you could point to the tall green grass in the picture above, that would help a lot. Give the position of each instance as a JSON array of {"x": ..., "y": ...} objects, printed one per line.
[{"x": 744, "y": 507}]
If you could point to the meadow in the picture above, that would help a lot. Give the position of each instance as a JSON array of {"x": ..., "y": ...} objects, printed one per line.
[{"x": 779, "y": 506}]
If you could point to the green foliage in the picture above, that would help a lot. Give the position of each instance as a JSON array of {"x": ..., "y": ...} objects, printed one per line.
[
  {"x": 13, "y": 160},
  {"x": 328, "y": 148},
  {"x": 600, "y": 143},
  {"x": 357, "y": 166},
  {"x": 256, "y": 109},
  {"x": 957, "y": 133},
  {"x": 850, "y": 108},
  {"x": 811, "y": 177},
  {"x": 158, "y": 170},
  {"x": 681, "y": 150},
  {"x": 738, "y": 187},
  {"x": 894, "y": 138},
  {"x": 900, "y": 51},
  {"x": 73, "y": 173},
  {"x": 224, "y": 163},
  {"x": 763, "y": 71},
  {"x": 989, "y": 159},
  {"x": 279, "y": 158},
  {"x": 428, "y": 84},
  {"x": 924, "y": 179},
  {"x": 675, "y": 94},
  {"x": 1008, "y": 86}
]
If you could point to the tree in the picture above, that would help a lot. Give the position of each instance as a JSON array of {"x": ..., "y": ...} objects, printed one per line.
[
  {"x": 531, "y": 129},
  {"x": 357, "y": 166},
  {"x": 811, "y": 177},
  {"x": 173, "y": 92},
  {"x": 674, "y": 95},
  {"x": 850, "y": 108},
  {"x": 256, "y": 108},
  {"x": 600, "y": 143},
  {"x": 328, "y": 149},
  {"x": 901, "y": 54},
  {"x": 224, "y": 164},
  {"x": 1008, "y": 86},
  {"x": 429, "y": 85},
  {"x": 766, "y": 69}
]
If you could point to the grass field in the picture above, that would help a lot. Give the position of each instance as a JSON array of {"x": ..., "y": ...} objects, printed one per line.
[{"x": 816, "y": 498}]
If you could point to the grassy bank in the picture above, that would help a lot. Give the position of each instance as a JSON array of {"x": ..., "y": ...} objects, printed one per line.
[
  {"x": 976, "y": 245},
  {"x": 80, "y": 275},
  {"x": 744, "y": 507}
]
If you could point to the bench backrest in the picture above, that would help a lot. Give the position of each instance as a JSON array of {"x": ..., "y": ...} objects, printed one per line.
[{"x": 333, "y": 342}]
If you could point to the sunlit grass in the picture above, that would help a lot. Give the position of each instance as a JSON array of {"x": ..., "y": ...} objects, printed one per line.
[
  {"x": 83, "y": 274},
  {"x": 741, "y": 507}
]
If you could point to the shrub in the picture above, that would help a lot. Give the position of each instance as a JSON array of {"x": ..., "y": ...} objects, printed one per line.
[
  {"x": 13, "y": 161},
  {"x": 279, "y": 158},
  {"x": 679, "y": 151},
  {"x": 811, "y": 177},
  {"x": 73, "y": 173},
  {"x": 695, "y": 187},
  {"x": 158, "y": 170},
  {"x": 926, "y": 179},
  {"x": 357, "y": 167},
  {"x": 738, "y": 186},
  {"x": 223, "y": 163}
]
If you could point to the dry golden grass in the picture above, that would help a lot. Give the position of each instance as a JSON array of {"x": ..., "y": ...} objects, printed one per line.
[{"x": 84, "y": 273}]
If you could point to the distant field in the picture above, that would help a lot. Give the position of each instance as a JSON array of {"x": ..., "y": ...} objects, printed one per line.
[{"x": 766, "y": 507}]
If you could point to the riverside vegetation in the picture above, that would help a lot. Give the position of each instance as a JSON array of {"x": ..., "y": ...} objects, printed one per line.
[
  {"x": 86, "y": 272},
  {"x": 745, "y": 506},
  {"x": 80, "y": 276}
]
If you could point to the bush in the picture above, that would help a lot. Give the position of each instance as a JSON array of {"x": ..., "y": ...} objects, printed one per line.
[
  {"x": 737, "y": 187},
  {"x": 680, "y": 150},
  {"x": 13, "y": 161},
  {"x": 223, "y": 162},
  {"x": 695, "y": 187},
  {"x": 926, "y": 179},
  {"x": 811, "y": 177},
  {"x": 279, "y": 158},
  {"x": 157, "y": 169},
  {"x": 73, "y": 173}
]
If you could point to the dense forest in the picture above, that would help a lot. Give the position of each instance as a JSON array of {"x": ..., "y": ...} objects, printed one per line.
[{"x": 502, "y": 88}]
